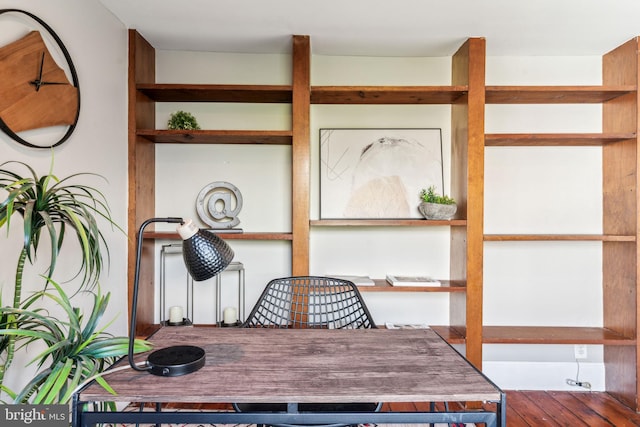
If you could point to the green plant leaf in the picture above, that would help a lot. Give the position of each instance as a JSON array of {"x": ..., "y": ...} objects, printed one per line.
[
  {"x": 105, "y": 385},
  {"x": 32, "y": 386},
  {"x": 101, "y": 305},
  {"x": 182, "y": 120},
  {"x": 429, "y": 195},
  {"x": 117, "y": 346},
  {"x": 9, "y": 392},
  {"x": 76, "y": 345},
  {"x": 74, "y": 352},
  {"x": 61, "y": 374},
  {"x": 57, "y": 204}
]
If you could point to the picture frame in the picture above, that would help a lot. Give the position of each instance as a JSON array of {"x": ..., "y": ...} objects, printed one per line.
[{"x": 377, "y": 173}]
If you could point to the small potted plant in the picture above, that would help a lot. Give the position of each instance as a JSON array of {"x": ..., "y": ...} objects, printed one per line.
[
  {"x": 435, "y": 206},
  {"x": 182, "y": 120}
]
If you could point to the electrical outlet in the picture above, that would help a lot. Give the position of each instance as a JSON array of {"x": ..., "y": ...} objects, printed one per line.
[{"x": 580, "y": 351}]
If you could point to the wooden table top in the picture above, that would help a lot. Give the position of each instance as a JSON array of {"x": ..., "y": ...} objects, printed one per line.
[{"x": 305, "y": 365}]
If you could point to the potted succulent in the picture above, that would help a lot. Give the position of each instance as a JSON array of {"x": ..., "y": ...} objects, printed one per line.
[
  {"x": 182, "y": 120},
  {"x": 435, "y": 206},
  {"x": 76, "y": 346}
]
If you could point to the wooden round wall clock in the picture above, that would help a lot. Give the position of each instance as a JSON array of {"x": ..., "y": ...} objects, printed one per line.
[{"x": 39, "y": 87}]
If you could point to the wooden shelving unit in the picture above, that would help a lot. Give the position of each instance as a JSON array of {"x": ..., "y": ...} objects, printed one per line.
[
  {"x": 144, "y": 93},
  {"x": 619, "y": 98},
  {"x": 467, "y": 95}
]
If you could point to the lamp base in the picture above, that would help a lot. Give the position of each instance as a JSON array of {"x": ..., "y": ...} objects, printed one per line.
[{"x": 175, "y": 361}]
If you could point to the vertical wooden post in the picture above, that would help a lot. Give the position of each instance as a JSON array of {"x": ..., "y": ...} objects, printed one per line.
[
  {"x": 300, "y": 155},
  {"x": 620, "y": 217},
  {"x": 141, "y": 173},
  {"x": 467, "y": 186}
]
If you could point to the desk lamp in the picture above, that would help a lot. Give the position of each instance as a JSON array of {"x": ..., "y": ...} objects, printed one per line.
[{"x": 205, "y": 255}]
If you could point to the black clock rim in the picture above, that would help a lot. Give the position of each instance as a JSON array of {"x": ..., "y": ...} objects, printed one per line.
[{"x": 74, "y": 78}]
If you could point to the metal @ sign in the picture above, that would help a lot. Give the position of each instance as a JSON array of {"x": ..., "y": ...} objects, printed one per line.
[{"x": 218, "y": 205}]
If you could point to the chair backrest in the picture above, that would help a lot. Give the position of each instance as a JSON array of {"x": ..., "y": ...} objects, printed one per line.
[{"x": 310, "y": 302}]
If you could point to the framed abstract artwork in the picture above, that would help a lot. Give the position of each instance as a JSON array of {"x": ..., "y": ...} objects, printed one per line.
[{"x": 378, "y": 173}]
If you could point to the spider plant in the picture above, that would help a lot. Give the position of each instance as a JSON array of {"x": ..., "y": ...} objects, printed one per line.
[
  {"x": 76, "y": 349},
  {"x": 51, "y": 207}
]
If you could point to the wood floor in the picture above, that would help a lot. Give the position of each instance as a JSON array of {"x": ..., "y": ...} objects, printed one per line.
[{"x": 556, "y": 408}]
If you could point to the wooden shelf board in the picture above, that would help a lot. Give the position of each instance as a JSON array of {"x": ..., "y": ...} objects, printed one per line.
[
  {"x": 552, "y": 335},
  {"x": 381, "y": 285},
  {"x": 388, "y": 94},
  {"x": 557, "y": 237},
  {"x": 450, "y": 334},
  {"x": 554, "y": 139},
  {"x": 385, "y": 222},
  {"x": 274, "y": 137},
  {"x": 226, "y": 236},
  {"x": 554, "y": 94},
  {"x": 166, "y": 92},
  {"x": 537, "y": 335}
]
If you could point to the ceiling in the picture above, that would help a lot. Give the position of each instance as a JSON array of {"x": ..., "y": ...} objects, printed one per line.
[{"x": 384, "y": 27}]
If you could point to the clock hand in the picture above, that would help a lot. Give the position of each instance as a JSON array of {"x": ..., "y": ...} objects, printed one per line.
[{"x": 38, "y": 81}]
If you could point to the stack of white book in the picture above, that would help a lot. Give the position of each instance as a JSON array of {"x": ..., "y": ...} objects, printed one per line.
[
  {"x": 390, "y": 325},
  {"x": 357, "y": 280},
  {"x": 396, "y": 280}
]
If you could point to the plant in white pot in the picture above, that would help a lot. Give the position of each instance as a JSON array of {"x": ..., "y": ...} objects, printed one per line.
[
  {"x": 435, "y": 206},
  {"x": 76, "y": 346}
]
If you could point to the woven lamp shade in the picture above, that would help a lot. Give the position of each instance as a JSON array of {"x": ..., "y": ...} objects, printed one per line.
[{"x": 205, "y": 255}]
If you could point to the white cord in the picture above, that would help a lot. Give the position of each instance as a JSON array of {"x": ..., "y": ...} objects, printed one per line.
[
  {"x": 577, "y": 382},
  {"x": 110, "y": 371}
]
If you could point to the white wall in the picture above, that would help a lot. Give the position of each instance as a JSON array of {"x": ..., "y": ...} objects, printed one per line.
[{"x": 98, "y": 46}]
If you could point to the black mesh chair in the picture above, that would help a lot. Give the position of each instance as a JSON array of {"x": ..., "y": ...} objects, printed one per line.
[{"x": 310, "y": 302}]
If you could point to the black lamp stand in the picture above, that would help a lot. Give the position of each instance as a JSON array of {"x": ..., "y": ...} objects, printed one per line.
[{"x": 205, "y": 255}]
